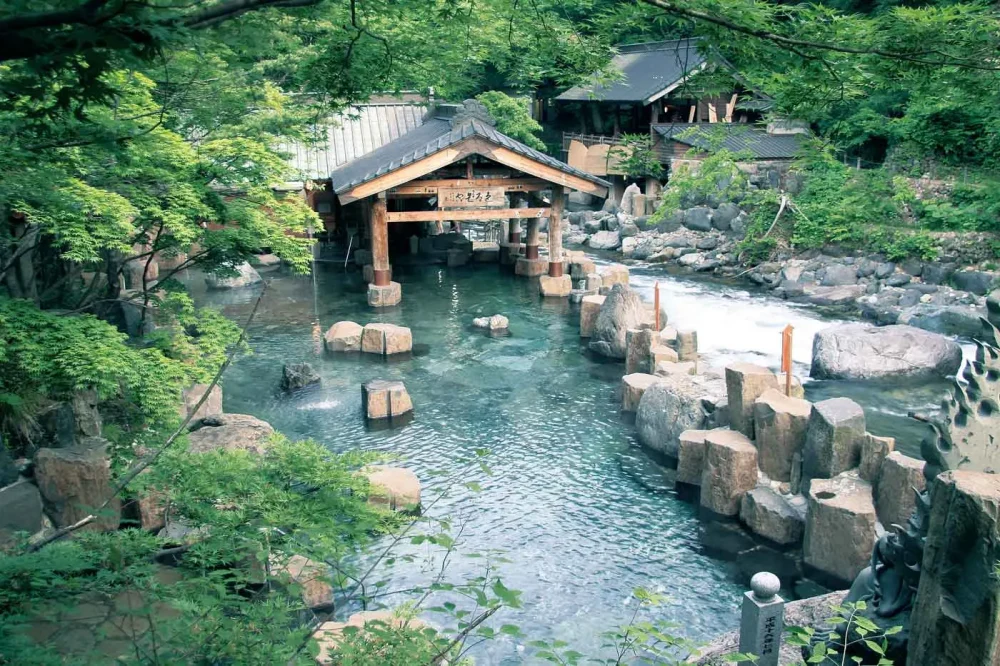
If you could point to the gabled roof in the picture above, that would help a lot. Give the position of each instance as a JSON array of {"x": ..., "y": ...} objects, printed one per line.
[
  {"x": 736, "y": 137},
  {"x": 650, "y": 71},
  {"x": 353, "y": 133},
  {"x": 444, "y": 128}
]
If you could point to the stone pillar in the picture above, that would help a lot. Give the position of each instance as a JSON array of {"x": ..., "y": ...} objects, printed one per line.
[
  {"x": 762, "y": 619},
  {"x": 531, "y": 240},
  {"x": 956, "y": 615},
  {"x": 555, "y": 232}
]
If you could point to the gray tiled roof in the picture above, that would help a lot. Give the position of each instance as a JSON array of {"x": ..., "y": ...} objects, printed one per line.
[
  {"x": 353, "y": 133},
  {"x": 736, "y": 137},
  {"x": 433, "y": 136},
  {"x": 647, "y": 68}
]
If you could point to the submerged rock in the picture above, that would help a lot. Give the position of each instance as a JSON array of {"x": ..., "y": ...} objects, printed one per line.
[
  {"x": 855, "y": 351},
  {"x": 298, "y": 376},
  {"x": 495, "y": 323}
]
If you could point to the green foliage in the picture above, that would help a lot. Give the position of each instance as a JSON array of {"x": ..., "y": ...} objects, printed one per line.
[
  {"x": 714, "y": 176},
  {"x": 836, "y": 649},
  {"x": 634, "y": 155},
  {"x": 513, "y": 119}
]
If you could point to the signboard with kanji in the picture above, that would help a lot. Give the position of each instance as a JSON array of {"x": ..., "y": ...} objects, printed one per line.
[{"x": 471, "y": 197}]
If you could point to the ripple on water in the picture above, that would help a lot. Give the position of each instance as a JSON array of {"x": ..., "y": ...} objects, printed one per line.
[{"x": 582, "y": 514}]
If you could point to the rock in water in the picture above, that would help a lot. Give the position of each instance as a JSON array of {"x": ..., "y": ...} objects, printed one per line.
[
  {"x": 621, "y": 310},
  {"x": 298, "y": 376},
  {"x": 605, "y": 240},
  {"x": 678, "y": 402},
  {"x": 854, "y": 351},
  {"x": 384, "y": 399},
  {"x": 246, "y": 276},
  {"x": 495, "y": 323},
  {"x": 343, "y": 336}
]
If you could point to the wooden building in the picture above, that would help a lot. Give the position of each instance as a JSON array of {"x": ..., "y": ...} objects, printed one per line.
[{"x": 453, "y": 167}]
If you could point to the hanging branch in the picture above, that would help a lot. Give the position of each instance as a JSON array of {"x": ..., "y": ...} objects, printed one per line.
[{"x": 143, "y": 464}]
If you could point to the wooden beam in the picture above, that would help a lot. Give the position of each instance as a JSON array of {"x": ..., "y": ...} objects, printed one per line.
[
  {"x": 691, "y": 113},
  {"x": 544, "y": 171},
  {"x": 406, "y": 174},
  {"x": 731, "y": 107},
  {"x": 458, "y": 215},
  {"x": 430, "y": 187}
]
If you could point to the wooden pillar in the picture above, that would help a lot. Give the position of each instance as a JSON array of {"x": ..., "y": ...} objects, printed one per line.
[
  {"x": 380, "y": 240},
  {"x": 531, "y": 242},
  {"x": 555, "y": 232}
]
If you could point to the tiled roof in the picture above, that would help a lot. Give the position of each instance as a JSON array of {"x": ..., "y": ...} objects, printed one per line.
[
  {"x": 736, "y": 137},
  {"x": 352, "y": 134},
  {"x": 436, "y": 134},
  {"x": 648, "y": 69}
]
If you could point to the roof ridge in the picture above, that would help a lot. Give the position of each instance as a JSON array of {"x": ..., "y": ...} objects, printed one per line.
[{"x": 657, "y": 45}]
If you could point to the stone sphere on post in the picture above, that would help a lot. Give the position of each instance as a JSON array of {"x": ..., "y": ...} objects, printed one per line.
[{"x": 765, "y": 585}]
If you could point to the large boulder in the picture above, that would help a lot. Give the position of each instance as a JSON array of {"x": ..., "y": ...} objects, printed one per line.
[
  {"x": 75, "y": 482},
  {"x": 730, "y": 471},
  {"x": 839, "y": 275},
  {"x": 628, "y": 196},
  {"x": 311, "y": 578},
  {"x": 956, "y": 614},
  {"x": 840, "y": 526},
  {"x": 191, "y": 396},
  {"x": 855, "y": 351},
  {"x": 780, "y": 424},
  {"x": 245, "y": 276},
  {"x": 834, "y": 438},
  {"x": 773, "y": 516},
  {"x": 621, "y": 310},
  {"x": 20, "y": 511},
  {"x": 344, "y": 336},
  {"x": 978, "y": 282},
  {"x": 230, "y": 432},
  {"x": 605, "y": 240},
  {"x": 676, "y": 403},
  {"x": 298, "y": 376},
  {"x": 698, "y": 218}
]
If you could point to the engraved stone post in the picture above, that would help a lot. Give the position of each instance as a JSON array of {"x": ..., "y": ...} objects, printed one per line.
[{"x": 762, "y": 619}]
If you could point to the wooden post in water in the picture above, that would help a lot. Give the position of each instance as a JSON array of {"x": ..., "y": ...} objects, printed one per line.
[
  {"x": 656, "y": 304},
  {"x": 786, "y": 357}
]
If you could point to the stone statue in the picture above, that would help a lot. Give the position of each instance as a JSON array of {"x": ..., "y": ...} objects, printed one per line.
[{"x": 963, "y": 439}]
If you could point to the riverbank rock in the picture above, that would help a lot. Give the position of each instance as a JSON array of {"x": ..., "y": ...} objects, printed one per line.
[
  {"x": 677, "y": 403},
  {"x": 780, "y": 424},
  {"x": 20, "y": 511},
  {"x": 191, "y": 396},
  {"x": 856, "y": 351},
  {"x": 605, "y": 240},
  {"x": 590, "y": 309},
  {"x": 840, "y": 526},
  {"x": 691, "y": 456},
  {"x": 621, "y": 310},
  {"x": 394, "y": 488},
  {"x": 638, "y": 343},
  {"x": 75, "y": 482},
  {"x": 384, "y": 399},
  {"x": 495, "y": 323},
  {"x": 899, "y": 478},
  {"x": 246, "y": 276},
  {"x": 955, "y": 614},
  {"x": 312, "y": 579},
  {"x": 772, "y": 516},
  {"x": 745, "y": 382},
  {"x": 298, "y": 376},
  {"x": 231, "y": 432},
  {"x": 614, "y": 274},
  {"x": 555, "y": 287},
  {"x": 633, "y": 386},
  {"x": 874, "y": 451},
  {"x": 344, "y": 336},
  {"x": 730, "y": 471},
  {"x": 834, "y": 438},
  {"x": 386, "y": 339},
  {"x": 329, "y": 634}
]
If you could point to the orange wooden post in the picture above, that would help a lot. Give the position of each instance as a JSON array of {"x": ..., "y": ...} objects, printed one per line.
[
  {"x": 656, "y": 304},
  {"x": 786, "y": 357}
]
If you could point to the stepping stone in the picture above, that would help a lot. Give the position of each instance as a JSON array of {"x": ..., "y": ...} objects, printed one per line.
[{"x": 385, "y": 399}]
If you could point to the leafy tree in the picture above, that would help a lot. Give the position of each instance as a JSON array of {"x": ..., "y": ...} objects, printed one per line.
[{"x": 513, "y": 118}]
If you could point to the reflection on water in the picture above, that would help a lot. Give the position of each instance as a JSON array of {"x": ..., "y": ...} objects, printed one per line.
[{"x": 581, "y": 512}]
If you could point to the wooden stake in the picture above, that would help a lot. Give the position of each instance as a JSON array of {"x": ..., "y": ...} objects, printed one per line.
[
  {"x": 786, "y": 357},
  {"x": 656, "y": 304}
]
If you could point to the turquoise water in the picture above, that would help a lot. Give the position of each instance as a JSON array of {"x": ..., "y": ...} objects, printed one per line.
[{"x": 580, "y": 512}]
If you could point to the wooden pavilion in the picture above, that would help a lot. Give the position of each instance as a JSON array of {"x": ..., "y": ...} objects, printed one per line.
[{"x": 456, "y": 167}]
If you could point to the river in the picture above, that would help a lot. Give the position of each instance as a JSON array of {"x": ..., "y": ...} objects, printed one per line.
[{"x": 573, "y": 513}]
